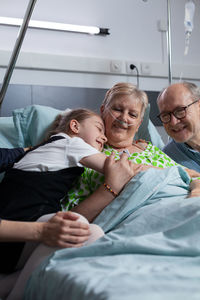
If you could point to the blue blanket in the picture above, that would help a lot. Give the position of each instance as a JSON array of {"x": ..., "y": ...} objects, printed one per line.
[{"x": 151, "y": 249}]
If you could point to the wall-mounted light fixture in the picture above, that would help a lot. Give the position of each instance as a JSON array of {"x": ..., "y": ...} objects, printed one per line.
[
  {"x": 55, "y": 26},
  {"x": 24, "y": 24}
]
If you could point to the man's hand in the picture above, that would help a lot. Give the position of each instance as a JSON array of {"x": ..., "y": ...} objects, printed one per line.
[
  {"x": 192, "y": 173},
  {"x": 194, "y": 188}
]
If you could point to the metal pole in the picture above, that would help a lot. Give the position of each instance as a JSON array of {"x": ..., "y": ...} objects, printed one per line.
[
  {"x": 169, "y": 47},
  {"x": 17, "y": 47}
]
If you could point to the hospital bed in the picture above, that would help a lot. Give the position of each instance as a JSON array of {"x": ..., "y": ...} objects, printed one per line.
[
  {"x": 27, "y": 126},
  {"x": 151, "y": 248}
]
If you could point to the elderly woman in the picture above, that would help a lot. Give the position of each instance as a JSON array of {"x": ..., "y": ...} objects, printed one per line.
[{"x": 122, "y": 111}]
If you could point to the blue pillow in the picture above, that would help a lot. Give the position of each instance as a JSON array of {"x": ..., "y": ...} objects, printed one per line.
[
  {"x": 155, "y": 137},
  {"x": 8, "y": 138},
  {"x": 32, "y": 122},
  {"x": 143, "y": 132},
  {"x": 29, "y": 125},
  {"x": 148, "y": 131}
]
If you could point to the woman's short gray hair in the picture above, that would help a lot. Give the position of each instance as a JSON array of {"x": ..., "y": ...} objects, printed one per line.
[{"x": 125, "y": 88}]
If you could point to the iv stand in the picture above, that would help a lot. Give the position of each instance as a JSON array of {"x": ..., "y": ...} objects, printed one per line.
[
  {"x": 169, "y": 47},
  {"x": 17, "y": 47}
]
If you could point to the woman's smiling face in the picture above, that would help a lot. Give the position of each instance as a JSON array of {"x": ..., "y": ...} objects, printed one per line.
[{"x": 122, "y": 118}]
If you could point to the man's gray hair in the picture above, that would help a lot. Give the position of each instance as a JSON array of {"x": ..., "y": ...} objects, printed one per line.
[{"x": 191, "y": 87}]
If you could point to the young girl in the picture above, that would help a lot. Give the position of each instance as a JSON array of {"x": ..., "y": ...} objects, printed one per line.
[{"x": 37, "y": 183}]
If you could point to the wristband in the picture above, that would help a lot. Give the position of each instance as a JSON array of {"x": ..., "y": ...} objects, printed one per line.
[{"x": 108, "y": 188}]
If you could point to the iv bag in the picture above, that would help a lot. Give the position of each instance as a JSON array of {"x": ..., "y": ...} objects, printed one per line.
[
  {"x": 188, "y": 22},
  {"x": 189, "y": 14}
]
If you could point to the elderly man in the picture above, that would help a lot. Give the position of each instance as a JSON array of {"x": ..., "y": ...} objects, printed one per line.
[{"x": 179, "y": 107}]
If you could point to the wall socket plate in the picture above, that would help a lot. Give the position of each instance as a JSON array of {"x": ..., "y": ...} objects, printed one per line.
[
  {"x": 130, "y": 69},
  {"x": 145, "y": 69},
  {"x": 116, "y": 66}
]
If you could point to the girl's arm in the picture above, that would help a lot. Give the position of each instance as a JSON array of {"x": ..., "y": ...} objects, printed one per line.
[{"x": 95, "y": 161}]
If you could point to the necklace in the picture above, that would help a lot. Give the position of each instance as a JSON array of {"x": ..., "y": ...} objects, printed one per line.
[{"x": 140, "y": 144}]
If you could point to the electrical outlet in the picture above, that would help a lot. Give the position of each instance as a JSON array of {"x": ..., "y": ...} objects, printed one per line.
[
  {"x": 116, "y": 66},
  {"x": 130, "y": 67},
  {"x": 145, "y": 69}
]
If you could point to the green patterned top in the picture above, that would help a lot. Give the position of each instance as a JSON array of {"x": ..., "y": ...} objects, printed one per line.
[{"x": 90, "y": 180}]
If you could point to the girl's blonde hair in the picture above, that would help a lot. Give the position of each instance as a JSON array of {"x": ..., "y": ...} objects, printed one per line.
[
  {"x": 125, "y": 88},
  {"x": 62, "y": 121}
]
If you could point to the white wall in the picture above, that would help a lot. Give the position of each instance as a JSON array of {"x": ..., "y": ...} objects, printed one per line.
[{"x": 134, "y": 36}]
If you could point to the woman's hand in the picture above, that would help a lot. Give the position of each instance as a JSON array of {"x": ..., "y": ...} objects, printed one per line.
[
  {"x": 194, "y": 188},
  {"x": 64, "y": 230},
  {"x": 119, "y": 172}
]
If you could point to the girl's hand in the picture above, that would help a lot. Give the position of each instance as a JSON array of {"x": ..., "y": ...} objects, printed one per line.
[{"x": 119, "y": 172}]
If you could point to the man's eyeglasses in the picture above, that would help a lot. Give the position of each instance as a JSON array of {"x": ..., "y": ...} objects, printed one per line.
[{"x": 179, "y": 113}]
